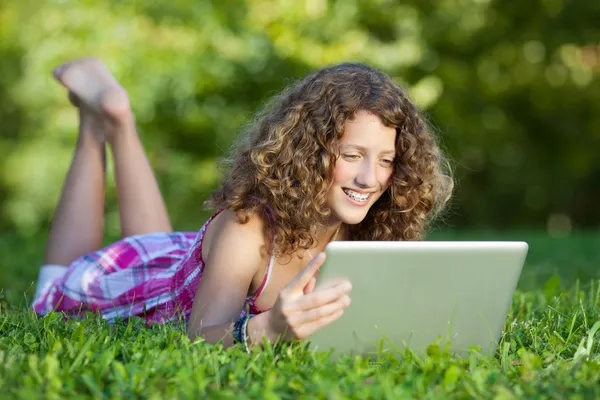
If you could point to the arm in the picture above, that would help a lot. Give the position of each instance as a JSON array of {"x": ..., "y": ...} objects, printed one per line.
[{"x": 234, "y": 258}]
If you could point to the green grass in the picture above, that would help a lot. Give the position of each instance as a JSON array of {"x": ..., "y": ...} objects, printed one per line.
[{"x": 549, "y": 348}]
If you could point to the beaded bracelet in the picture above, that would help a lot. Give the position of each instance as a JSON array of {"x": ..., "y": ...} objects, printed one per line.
[{"x": 240, "y": 331}]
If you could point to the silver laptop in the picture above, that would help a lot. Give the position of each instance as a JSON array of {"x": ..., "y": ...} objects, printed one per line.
[{"x": 413, "y": 294}]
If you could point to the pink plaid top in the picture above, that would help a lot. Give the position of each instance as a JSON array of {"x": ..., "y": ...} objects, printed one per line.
[{"x": 153, "y": 276}]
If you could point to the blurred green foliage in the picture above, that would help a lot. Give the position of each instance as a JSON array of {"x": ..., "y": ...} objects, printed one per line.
[{"x": 512, "y": 88}]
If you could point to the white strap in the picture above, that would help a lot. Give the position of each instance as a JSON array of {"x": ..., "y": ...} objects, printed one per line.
[{"x": 271, "y": 262}]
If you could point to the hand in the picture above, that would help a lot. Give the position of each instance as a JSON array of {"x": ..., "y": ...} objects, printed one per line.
[{"x": 299, "y": 310}]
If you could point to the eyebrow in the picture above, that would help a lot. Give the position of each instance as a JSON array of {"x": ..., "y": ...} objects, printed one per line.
[{"x": 392, "y": 152}]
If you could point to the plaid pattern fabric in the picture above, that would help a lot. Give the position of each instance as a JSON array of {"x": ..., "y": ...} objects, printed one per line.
[{"x": 153, "y": 276}]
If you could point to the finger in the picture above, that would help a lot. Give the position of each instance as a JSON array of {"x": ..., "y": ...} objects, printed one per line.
[
  {"x": 303, "y": 277},
  {"x": 310, "y": 286},
  {"x": 310, "y": 328},
  {"x": 324, "y": 285},
  {"x": 323, "y": 296},
  {"x": 332, "y": 283},
  {"x": 314, "y": 314}
]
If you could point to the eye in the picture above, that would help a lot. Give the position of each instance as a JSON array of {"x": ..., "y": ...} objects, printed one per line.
[
  {"x": 388, "y": 163},
  {"x": 351, "y": 156}
]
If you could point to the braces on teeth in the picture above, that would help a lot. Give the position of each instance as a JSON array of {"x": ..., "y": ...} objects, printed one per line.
[{"x": 357, "y": 197}]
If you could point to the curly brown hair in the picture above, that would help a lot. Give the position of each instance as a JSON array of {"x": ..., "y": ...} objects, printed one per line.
[{"x": 281, "y": 168}]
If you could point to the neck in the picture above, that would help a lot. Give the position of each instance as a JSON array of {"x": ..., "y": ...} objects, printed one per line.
[{"x": 332, "y": 232}]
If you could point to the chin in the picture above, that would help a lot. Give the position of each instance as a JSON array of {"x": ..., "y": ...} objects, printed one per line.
[
  {"x": 350, "y": 217},
  {"x": 348, "y": 212},
  {"x": 353, "y": 220}
]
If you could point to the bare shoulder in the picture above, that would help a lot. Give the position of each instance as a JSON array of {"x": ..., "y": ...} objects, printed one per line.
[
  {"x": 227, "y": 234},
  {"x": 233, "y": 258}
]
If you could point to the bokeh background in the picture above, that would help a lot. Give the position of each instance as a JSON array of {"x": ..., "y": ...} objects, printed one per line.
[{"x": 511, "y": 88}]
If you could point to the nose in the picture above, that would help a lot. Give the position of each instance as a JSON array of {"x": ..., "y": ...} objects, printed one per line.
[{"x": 367, "y": 175}]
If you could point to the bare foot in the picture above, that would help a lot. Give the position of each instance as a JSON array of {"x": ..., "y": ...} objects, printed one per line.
[{"x": 102, "y": 102}]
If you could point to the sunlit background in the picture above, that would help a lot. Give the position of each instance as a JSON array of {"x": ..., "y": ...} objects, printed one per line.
[{"x": 511, "y": 88}]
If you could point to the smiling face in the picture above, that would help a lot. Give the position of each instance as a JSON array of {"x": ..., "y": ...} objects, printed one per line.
[{"x": 363, "y": 170}]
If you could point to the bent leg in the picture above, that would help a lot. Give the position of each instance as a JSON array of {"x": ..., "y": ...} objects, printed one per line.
[
  {"x": 78, "y": 223},
  {"x": 141, "y": 206}
]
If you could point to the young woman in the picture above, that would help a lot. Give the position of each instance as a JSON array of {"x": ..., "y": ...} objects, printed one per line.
[{"x": 340, "y": 155}]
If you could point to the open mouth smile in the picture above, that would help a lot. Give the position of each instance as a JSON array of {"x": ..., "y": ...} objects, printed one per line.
[{"x": 357, "y": 196}]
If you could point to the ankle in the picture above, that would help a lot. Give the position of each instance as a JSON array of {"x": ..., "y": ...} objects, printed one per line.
[
  {"x": 121, "y": 132},
  {"x": 116, "y": 106},
  {"x": 123, "y": 123},
  {"x": 89, "y": 138}
]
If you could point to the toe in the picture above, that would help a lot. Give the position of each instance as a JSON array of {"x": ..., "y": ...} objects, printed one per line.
[{"x": 60, "y": 70}]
